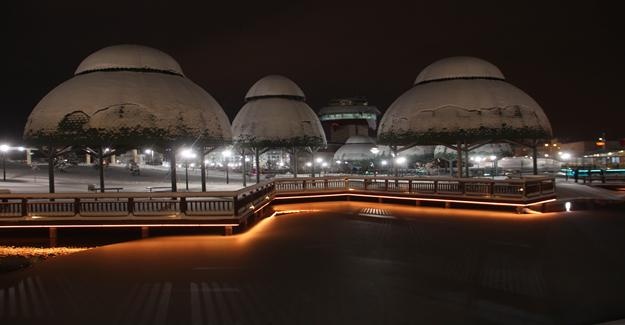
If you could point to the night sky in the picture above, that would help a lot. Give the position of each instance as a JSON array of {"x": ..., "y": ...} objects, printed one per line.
[{"x": 569, "y": 58}]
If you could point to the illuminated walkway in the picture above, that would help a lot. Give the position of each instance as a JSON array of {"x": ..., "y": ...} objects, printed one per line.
[{"x": 341, "y": 263}]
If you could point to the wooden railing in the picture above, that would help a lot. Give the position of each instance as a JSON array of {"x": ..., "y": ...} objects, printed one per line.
[
  {"x": 236, "y": 205},
  {"x": 151, "y": 205},
  {"x": 525, "y": 189}
]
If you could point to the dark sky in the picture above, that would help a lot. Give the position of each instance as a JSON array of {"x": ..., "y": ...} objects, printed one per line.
[{"x": 569, "y": 58}]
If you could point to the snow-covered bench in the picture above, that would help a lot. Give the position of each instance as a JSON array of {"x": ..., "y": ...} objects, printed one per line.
[{"x": 93, "y": 188}]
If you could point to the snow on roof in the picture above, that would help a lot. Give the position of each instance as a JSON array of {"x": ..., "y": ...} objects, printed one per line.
[
  {"x": 276, "y": 119},
  {"x": 275, "y": 85},
  {"x": 453, "y": 105},
  {"x": 126, "y": 99},
  {"x": 459, "y": 67},
  {"x": 355, "y": 152},
  {"x": 497, "y": 149},
  {"x": 129, "y": 56}
]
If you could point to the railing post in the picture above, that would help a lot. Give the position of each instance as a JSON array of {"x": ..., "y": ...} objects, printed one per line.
[
  {"x": 491, "y": 190},
  {"x": 235, "y": 206},
  {"x": 409, "y": 186},
  {"x": 76, "y": 206},
  {"x": 24, "y": 207},
  {"x": 183, "y": 204},
  {"x": 346, "y": 183},
  {"x": 385, "y": 185},
  {"x": 131, "y": 205},
  {"x": 325, "y": 183},
  {"x": 435, "y": 187},
  {"x": 303, "y": 184}
]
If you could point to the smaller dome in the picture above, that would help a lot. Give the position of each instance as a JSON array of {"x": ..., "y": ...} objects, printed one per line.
[
  {"x": 459, "y": 67},
  {"x": 356, "y": 139},
  {"x": 275, "y": 86},
  {"x": 129, "y": 57}
]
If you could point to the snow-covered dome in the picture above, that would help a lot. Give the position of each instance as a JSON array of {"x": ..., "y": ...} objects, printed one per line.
[
  {"x": 276, "y": 117},
  {"x": 119, "y": 102},
  {"x": 357, "y": 147},
  {"x": 129, "y": 57},
  {"x": 459, "y": 67},
  {"x": 470, "y": 108},
  {"x": 275, "y": 86}
]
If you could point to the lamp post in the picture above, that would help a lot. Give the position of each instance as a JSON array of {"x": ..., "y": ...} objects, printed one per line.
[
  {"x": 493, "y": 158},
  {"x": 226, "y": 154},
  {"x": 4, "y": 149},
  {"x": 375, "y": 151},
  {"x": 151, "y": 153},
  {"x": 400, "y": 160},
  {"x": 187, "y": 154}
]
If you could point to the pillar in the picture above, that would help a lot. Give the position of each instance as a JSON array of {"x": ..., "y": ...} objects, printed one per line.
[
  {"x": 135, "y": 155},
  {"x": 535, "y": 159},
  {"x": 53, "y": 235},
  {"x": 29, "y": 160},
  {"x": 145, "y": 232},
  {"x": 87, "y": 159},
  {"x": 113, "y": 159},
  {"x": 459, "y": 159}
]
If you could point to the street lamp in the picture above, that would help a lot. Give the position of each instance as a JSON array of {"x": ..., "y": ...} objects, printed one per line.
[
  {"x": 493, "y": 158},
  {"x": 226, "y": 154},
  {"x": 186, "y": 155},
  {"x": 151, "y": 153},
  {"x": 4, "y": 148}
]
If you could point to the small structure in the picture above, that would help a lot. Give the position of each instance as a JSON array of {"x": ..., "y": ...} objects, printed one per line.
[
  {"x": 463, "y": 103},
  {"x": 357, "y": 148},
  {"x": 275, "y": 115},
  {"x": 123, "y": 96},
  {"x": 346, "y": 117}
]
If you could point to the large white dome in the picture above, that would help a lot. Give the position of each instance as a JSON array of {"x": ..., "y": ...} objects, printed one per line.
[
  {"x": 119, "y": 102},
  {"x": 459, "y": 67},
  {"x": 277, "y": 115},
  {"x": 356, "y": 148},
  {"x": 275, "y": 85},
  {"x": 468, "y": 107},
  {"x": 137, "y": 57}
]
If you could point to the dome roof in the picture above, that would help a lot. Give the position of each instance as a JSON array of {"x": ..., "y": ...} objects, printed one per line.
[
  {"x": 114, "y": 101},
  {"x": 130, "y": 57},
  {"x": 498, "y": 149},
  {"x": 128, "y": 103},
  {"x": 355, "y": 152},
  {"x": 277, "y": 120},
  {"x": 275, "y": 86},
  {"x": 359, "y": 139},
  {"x": 474, "y": 108},
  {"x": 459, "y": 67}
]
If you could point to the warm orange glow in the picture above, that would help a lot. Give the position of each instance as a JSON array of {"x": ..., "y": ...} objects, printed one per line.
[
  {"x": 124, "y": 225},
  {"x": 418, "y": 199}
]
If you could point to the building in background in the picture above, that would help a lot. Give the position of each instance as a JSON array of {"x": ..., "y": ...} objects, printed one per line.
[{"x": 346, "y": 117}]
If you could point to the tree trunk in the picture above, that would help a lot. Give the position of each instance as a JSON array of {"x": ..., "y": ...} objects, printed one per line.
[
  {"x": 101, "y": 158},
  {"x": 466, "y": 159},
  {"x": 312, "y": 158},
  {"x": 203, "y": 172},
  {"x": 172, "y": 169},
  {"x": 243, "y": 170},
  {"x": 294, "y": 162},
  {"x": 459, "y": 159},
  {"x": 535, "y": 158},
  {"x": 51, "y": 170},
  {"x": 257, "y": 159}
]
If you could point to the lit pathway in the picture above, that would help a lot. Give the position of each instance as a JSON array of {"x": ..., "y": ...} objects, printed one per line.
[{"x": 357, "y": 263}]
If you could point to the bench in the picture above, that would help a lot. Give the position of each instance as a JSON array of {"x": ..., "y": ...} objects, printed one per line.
[
  {"x": 158, "y": 188},
  {"x": 93, "y": 188}
]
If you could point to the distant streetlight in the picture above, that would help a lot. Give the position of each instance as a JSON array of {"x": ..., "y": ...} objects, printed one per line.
[
  {"x": 187, "y": 154},
  {"x": 493, "y": 158},
  {"x": 4, "y": 148},
  {"x": 151, "y": 153},
  {"x": 227, "y": 154}
]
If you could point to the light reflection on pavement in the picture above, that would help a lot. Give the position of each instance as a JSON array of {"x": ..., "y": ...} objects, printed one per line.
[{"x": 394, "y": 264}]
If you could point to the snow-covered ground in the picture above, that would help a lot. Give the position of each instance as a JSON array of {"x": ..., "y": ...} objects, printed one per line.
[{"x": 23, "y": 179}]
